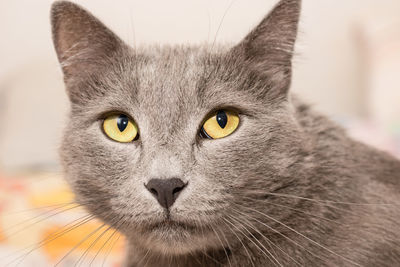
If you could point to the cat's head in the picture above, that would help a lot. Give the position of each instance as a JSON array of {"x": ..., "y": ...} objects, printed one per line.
[{"x": 138, "y": 149}]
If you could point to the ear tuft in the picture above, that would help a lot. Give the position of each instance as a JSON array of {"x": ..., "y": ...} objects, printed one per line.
[{"x": 81, "y": 40}]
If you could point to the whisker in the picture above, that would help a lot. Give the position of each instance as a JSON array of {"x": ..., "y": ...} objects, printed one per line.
[
  {"x": 101, "y": 248},
  {"x": 210, "y": 257},
  {"x": 82, "y": 257},
  {"x": 144, "y": 257},
  {"x": 281, "y": 234},
  {"x": 220, "y": 25},
  {"x": 79, "y": 243},
  {"x": 35, "y": 222},
  {"x": 262, "y": 246},
  {"x": 110, "y": 249},
  {"x": 148, "y": 258},
  {"x": 297, "y": 210},
  {"x": 105, "y": 242},
  {"x": 34, "y": 209},
  {"x": 329, "y": 205},
  {"x": 240, "y": 240},
  {"x": 330, "y": 201},
  {"x": 267, "y": 239},
  {"x": 99, "y": 237},
  {"x": 257, "y": 246},
  {"x": 226, "y": 253},
  {"x": 50, "y": 238},
  {"x": 170, "y": 260},
  {"x": 38, "y": 218},
  {"x": 224, "y": 237},
  {"x": 305, "y": 237},
  {"x": 270, "y": 248},
  {"x": 203, "y": 251}
]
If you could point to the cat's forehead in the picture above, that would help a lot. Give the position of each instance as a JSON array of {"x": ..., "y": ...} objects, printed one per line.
[
  {"x": 168, "y": 80},
  {"x": 167, "y": 73}
]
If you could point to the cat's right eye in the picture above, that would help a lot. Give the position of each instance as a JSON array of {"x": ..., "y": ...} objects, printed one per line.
[{"x": 120, "y": 128}]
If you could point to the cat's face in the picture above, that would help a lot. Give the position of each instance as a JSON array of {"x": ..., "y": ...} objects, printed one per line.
[{"x": 169, "y": 92}]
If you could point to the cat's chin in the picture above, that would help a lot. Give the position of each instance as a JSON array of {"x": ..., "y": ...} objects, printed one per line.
[
  {"x": 175, "y": 238},
  {"x": 170, "y": 226}
]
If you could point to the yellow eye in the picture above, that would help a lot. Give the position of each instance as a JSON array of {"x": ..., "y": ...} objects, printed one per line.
[
  {"x": 220, "y": 125},
  {"x": 120, "y": 128}
]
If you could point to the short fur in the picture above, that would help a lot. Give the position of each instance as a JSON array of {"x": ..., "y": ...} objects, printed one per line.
[{"x": 288, "y": 188}]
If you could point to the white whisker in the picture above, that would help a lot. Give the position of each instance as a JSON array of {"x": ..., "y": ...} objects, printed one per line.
[
  {"x": 269, "y": 255},
  {"x": 307, "y": 238},
  {"x": 240, "y": 240},
  {"x": 268, "y": 240}
]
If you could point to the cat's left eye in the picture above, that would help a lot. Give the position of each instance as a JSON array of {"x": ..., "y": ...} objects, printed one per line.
[
  {"x": 220, "y": 124},
  {"x": 120, "y": 128}
]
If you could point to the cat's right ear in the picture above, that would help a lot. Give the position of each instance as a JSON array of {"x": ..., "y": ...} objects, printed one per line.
[{"x": 81, "y": 41}]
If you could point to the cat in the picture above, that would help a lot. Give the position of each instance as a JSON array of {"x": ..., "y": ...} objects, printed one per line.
[{"x": 201, "y": 156}]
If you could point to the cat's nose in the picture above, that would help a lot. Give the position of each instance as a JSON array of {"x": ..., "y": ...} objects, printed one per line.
[{"x": 166, "y": 191}]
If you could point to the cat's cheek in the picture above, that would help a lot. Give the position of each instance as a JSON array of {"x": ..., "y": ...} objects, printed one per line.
[{"x": 88, "y": 153}]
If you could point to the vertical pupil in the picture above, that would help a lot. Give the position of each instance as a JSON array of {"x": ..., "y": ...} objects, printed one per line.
[
  {"x": 122, "y": 122},
  {"x": 222, "y": 119}
]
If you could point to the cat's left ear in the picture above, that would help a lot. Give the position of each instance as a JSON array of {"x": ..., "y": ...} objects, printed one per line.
[{"x": 268, "y": 49}]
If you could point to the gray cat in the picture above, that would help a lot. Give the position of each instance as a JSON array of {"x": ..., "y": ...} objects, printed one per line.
[{"x": 200, "y": 156}]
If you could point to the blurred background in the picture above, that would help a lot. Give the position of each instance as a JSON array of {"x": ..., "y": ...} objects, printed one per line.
[{"x": 347, "y": 65}]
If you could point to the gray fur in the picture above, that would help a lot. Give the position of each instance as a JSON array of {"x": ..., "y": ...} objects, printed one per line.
[{"x": 281, "y": 147}]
